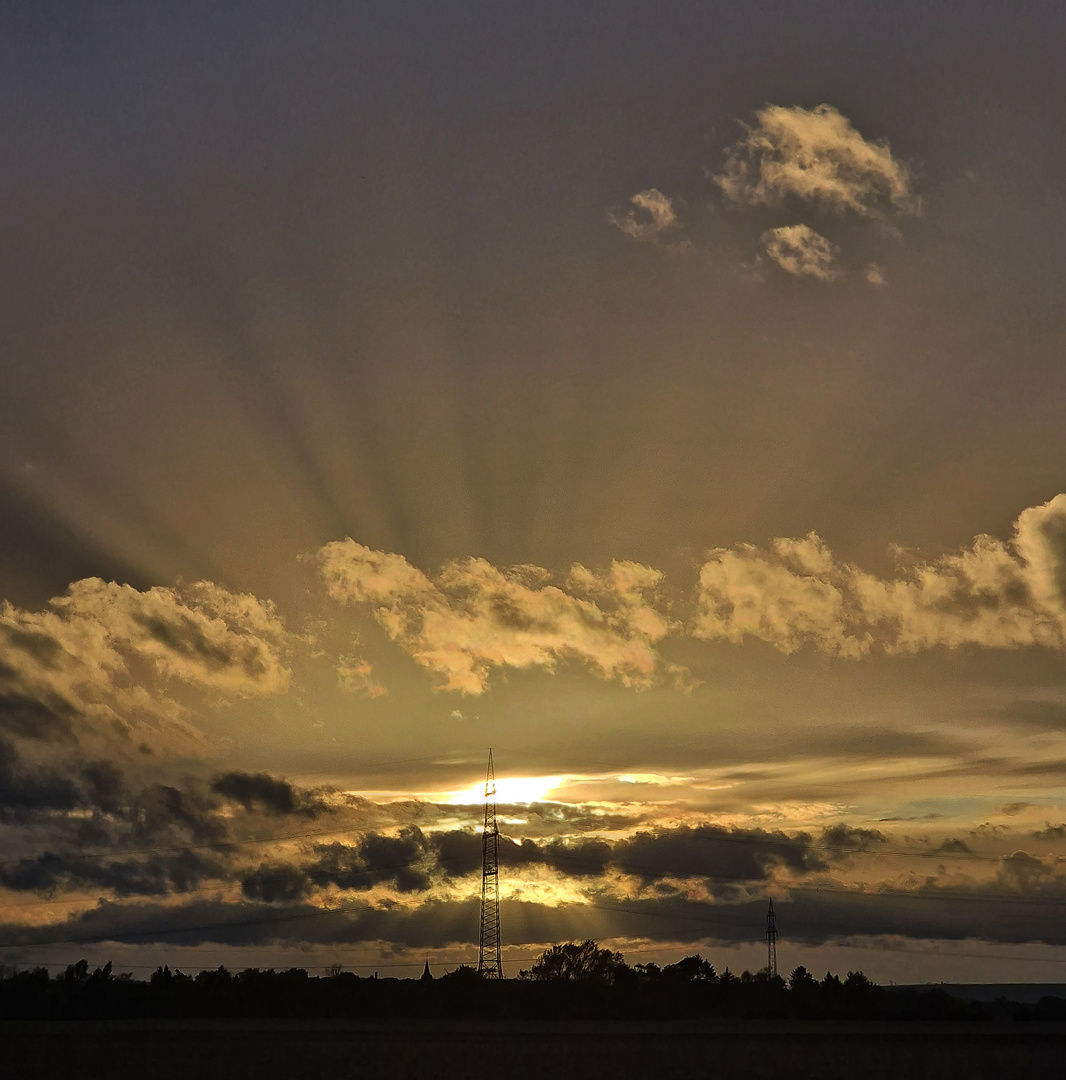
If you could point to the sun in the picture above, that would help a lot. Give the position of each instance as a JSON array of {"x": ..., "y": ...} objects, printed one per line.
[{"x": 510, "y": 789}]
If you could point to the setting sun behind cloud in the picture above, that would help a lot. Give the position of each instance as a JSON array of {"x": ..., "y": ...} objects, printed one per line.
[{"x": 510, "y": 789}]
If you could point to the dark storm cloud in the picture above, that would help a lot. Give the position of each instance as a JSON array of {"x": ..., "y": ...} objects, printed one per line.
[
  {"x": 580, "y": 858},
  {"x": 272, "y": 882},
  {"x": 159, "y": 875},
  {"x": 247, "y": 923},
  {"x": 945, "y": 914},
  {"x": 267, "y": 794},
  {"x": 104, "y": 786},
  {"x": 410, "y": 861},
  {"x": 1052, "y": 832},
  {"x": 991, "y": 912},
  {"x": 374, "y": 860},
  {"x": 707, "y": 851},
  {"x": 1020, "y": 900},
  {"x": 46, "y": 791},
  {"x": 842, "y": 839},
  {"x": 716, "y": 853},
  {"x": 458, "y": 852},
  {"x": 27, "y": 789},
  {"x": 33, "y": 718},
  {"x": 162, "y": 811}
]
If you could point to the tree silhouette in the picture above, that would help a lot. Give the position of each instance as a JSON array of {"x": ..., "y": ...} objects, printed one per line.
[
  {"x": 573, "y": 962},
  {"x": 463, "y": 975}
]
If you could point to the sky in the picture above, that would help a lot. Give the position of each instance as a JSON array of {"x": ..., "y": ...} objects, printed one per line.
[{"x": 666, "y": 395}]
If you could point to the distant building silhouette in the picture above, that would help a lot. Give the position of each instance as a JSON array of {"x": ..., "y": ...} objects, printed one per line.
[{"x": 426, "y": 973}]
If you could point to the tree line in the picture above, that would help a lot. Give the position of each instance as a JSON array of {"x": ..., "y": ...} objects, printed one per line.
[{"x": 576, "y": 980}]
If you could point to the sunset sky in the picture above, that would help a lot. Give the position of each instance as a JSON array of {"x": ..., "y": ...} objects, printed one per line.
[{"x": 667, "y": 395}]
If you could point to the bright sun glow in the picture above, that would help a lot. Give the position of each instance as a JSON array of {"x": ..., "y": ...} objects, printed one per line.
[{"x": 510, "y": 789}]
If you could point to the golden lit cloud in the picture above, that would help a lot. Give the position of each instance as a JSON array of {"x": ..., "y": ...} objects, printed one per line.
[
  {"x": 474, "y": 617},
  {"x": 817, "y": 156},
  {"x": 356, "y": 676},
  {"x": 104, "y": 656},
  {"x": 799, "y": 250},
  {"x": 995, "y": 594},
  {"x": 649, "y": 213}
]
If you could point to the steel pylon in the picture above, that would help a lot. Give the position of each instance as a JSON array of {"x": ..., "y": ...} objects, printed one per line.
[
  {"x": 490, "y": 963},
  {"x": 771, "y": 941}
]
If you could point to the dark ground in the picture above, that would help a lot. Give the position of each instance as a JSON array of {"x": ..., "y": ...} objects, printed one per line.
[{"x": 295, "y": 1050}]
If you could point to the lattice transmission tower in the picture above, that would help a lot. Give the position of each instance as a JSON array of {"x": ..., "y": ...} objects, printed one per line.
[
  {"x": 489, "y": 964},
  {"x": 771, "y": 940}
]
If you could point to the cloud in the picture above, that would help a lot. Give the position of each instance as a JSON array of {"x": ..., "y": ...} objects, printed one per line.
[
  {"x": 799, "y": 250},
  {"x": 356, "y": 676},
  {"x": 402, "y": 860},
  {"x": 875, "y": 274},
  {"x": 786, "y": 596},
  {"x": 474, "y": 617},
  {"x": 26, "y": 789},
  {"x": 669, "y": 873},
  {"x": 817, "y": 156},
  {"x": 273, "y": 882},
  {"x": 994, "y": 594},
  {"x": 103, "y": 660},
  {"x": 714, "y": 853},
  {"x": 811, "y": 917},
  {"x": 267, "y": 794},
  {"x": 45, "y": 718},
  {"x": 158, "y": 875},
  {"x": 650, "y": 213},
  {"x": 842, "y": 840}
]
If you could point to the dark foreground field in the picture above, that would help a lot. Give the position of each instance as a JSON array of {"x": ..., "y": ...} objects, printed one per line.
[{"x": 199, "y": 1050}]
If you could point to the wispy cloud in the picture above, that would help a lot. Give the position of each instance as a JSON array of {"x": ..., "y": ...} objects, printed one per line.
[
  {"x": 356, "y": 676},
  {"x": 647, "y": 216},
  {"x": 799, "y": 250},
  {"x": 875, "y": 274},
  {"x": 817, "y": 156}
]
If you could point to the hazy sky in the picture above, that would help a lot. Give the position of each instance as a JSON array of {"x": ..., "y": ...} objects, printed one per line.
[{"x": 667, "y": 395}]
